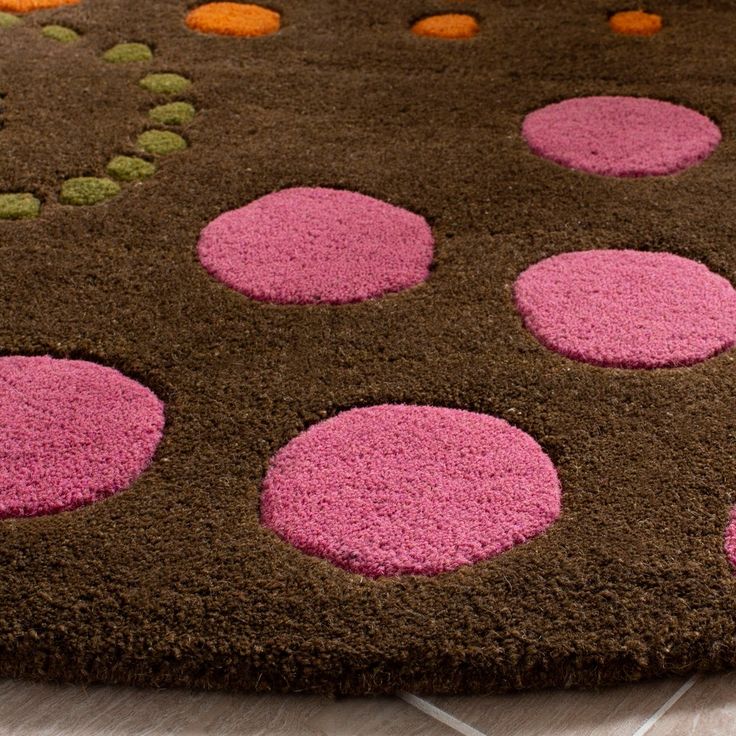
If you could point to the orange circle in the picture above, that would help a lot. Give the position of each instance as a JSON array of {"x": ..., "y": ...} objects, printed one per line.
[
  {"x": 635, "y": 23},
  {"x": 26, "y": 6},
  {"x": 233, "y": 19},
  {"x": 447, "y": 25}
]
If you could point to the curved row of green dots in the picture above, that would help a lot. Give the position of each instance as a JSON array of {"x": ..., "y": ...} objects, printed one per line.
[{"x": 121, "y": 169}]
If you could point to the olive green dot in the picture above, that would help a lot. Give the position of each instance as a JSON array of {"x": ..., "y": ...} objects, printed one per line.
[
  {"x": 18, "y": 206},
  {"x": 164, "y": 84},
  {"x": 7, "y": 20},
  {"x": 124, "y": 53},
  {"x": 85, "y": 190},
  {"x": 60, "y": 34},
  {"x": 161, "y": 142},
  {"x": 175, "y": 113},
  {"x": 130, "y": 168}
]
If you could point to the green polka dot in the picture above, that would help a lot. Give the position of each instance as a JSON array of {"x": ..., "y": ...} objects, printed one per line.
[
  {"x": 130, "y": 168},
  {"x": 161, "y": 142},
  {"x": 175, "y": 113},
  {"x": 19, "y": 206},
  {"x": 124, "y": 53},
  {"x": 60, "y": 34},
  {"x": 86, "y": 190},
  {"x": 7, "y": 20},
  {"x": 164, "y": 84}
]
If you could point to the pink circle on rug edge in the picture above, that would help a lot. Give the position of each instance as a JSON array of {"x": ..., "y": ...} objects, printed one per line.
[
  {"x": 398, "y": 489},
  {"x": 74, "y": 432},
  {"x": 621, "y": 136},
  {"x": 729, "y": 538},
  {"x": 316, "y": 245},
  {"x": 627, "y": 308}
]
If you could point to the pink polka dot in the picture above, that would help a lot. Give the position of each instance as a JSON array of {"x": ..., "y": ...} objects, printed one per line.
[
  {"x": 395, "y": 489},
  {"x": 628, "y": 309},
  {"x": 308, "y": 246},
  {"x": 621, "y": 136},
  {"x": 730, "y": 538},
  {"x": 73, "y": 433}
]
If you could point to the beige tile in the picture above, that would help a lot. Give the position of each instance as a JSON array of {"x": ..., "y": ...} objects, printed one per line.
[
  {"x": 707, "y": 709},
  {"x": 618, "y": 711},
  {"x": 28, "y": 709}
]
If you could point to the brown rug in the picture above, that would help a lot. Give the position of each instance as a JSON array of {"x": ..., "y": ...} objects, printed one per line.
[{"x": 136, "y": 549}]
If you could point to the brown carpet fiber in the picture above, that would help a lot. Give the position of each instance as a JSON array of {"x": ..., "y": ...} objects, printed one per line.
[{"x": 174, "y": 581}]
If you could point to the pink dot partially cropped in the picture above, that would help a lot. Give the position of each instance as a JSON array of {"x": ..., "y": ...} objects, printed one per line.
[
  {"x": 627, "y": 308},
  {"x": 730, "y": 538},
  {"x": 394, "y": 489},
  {"x": 316, "y": 245},
  {"x": 621, "y": 136},
  {"x": 73, "y": 432}
]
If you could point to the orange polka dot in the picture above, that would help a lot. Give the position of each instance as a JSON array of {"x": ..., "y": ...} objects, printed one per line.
[
  {"x": 447, "y": 25},
  {"x": 26, "y": 6},
  {"x": 234, "y": 19},
  {"x": 635, "y": 23}
]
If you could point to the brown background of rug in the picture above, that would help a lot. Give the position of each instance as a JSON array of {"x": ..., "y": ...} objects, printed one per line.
[{"x": 173, "y": 582}]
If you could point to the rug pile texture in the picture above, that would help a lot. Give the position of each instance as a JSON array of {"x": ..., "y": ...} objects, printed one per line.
[{"x": 363, "y": 347}]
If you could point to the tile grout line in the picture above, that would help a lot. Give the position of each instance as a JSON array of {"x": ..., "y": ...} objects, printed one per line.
[
  {"x": 440, "y": 715},
  {"x": 647, "y": 726}
]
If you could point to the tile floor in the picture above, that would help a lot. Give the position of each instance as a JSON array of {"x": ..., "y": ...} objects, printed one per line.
[{"x": 702, "y": 705}]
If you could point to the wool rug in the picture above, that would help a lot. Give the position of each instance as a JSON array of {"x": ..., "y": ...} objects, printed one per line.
[{"x": 363, "y": 347}]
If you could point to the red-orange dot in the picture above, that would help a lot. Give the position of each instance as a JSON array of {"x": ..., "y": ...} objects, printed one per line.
[
  {"x": 234, "y": 19},
  {"x": 635, "y": 23},
  {"x": 447, "y": 25},
  {"x": 26, "y": 6}
]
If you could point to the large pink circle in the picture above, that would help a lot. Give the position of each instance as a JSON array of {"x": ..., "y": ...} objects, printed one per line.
[
  {"x": 621, "y": 136},
  {"x": 627, "y": 308},
  {"x": 395, "y": 489},
  {"x": 73, "y": 432},
  {"x": 309, "y": 246}
]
